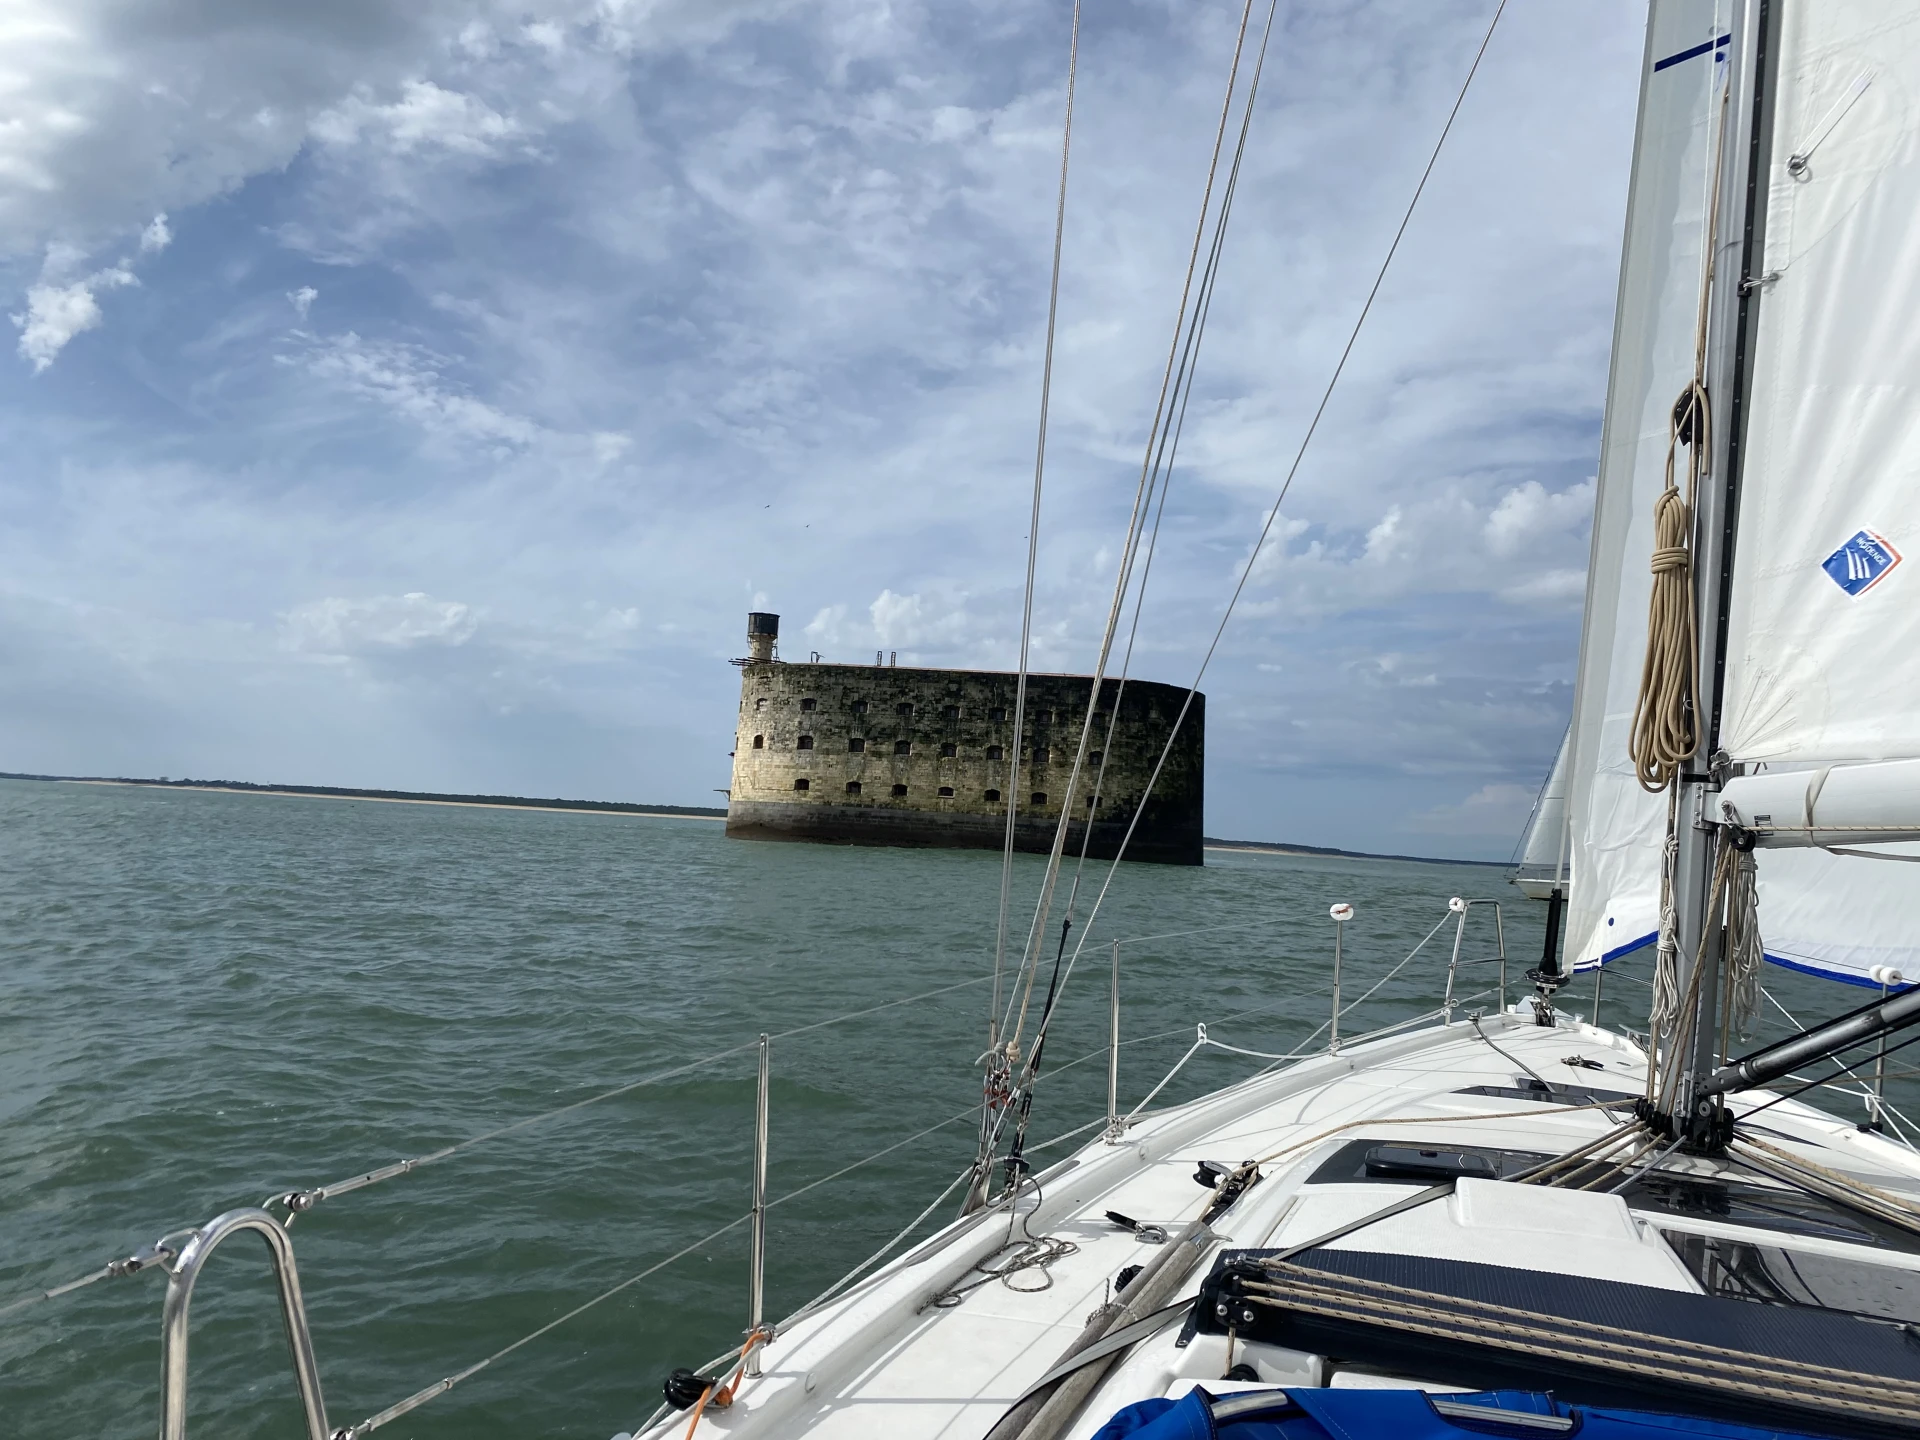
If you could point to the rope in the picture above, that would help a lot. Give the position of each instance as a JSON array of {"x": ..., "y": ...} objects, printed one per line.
[
  {"x": 1744, "y": 950},
  {"x": 721, "y": 1396},
  {"x": 1663, "y": 738},
  {"x": 1665, "y": 731}
]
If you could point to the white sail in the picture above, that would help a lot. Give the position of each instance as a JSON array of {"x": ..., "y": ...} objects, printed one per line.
[
  {"x": 1543, "y": 850},
  {"x": 1617, "y": 828},
  {"x": 1824, "y": 616}
]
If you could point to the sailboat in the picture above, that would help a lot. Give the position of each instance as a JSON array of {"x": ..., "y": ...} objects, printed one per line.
[
  {"x": 1510, "y": 1221},
  {"x": 1542, "y": 858}
]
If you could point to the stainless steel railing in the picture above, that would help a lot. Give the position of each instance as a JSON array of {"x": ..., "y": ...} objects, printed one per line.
[{"x": 187, "y": 1265}]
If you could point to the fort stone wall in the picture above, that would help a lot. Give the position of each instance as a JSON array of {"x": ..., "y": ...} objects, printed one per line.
[{"x": 884, "y": 755}]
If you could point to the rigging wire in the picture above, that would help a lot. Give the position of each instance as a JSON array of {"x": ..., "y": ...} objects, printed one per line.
[
  {"x": 310, "y": 1197},
  {"x": 1033, "y": 538},
  {"x": 1293, "y": 470},
  {"x": 1176, "y": 389},
  {"x": 1135, "y": 523}
]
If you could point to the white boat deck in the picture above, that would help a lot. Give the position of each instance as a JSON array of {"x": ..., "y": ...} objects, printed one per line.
[{"x": 886, "y": 1361}]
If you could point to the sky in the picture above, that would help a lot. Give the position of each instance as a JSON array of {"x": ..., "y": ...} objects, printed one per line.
[{"x": 418, "y": 395}]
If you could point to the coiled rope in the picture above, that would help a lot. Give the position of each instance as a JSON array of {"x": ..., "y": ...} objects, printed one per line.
[{"x": 1665, "y": 716}]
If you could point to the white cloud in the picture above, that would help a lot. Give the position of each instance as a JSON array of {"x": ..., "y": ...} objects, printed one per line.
[
  {"x": 408, "y": 380},
  {"x": 156, "y": 236},
  {"x": 302, "y": 300},
  {"x": 1530, "y": 512},
  {"x": 336, "y": 626},
  {"x": 423, "y": 117},
  {"x": 1497, "y": 811},
  {"x": 896, "y": 618},
  {"x": 1384, "y": 541},
  {"x": 57, "y": 313}
]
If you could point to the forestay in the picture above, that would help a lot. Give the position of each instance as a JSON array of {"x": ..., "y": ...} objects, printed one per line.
[{"x": 1617, "y": 826}]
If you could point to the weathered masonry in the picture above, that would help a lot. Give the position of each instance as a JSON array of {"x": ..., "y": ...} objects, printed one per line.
[{"x": 879, "y": 755}]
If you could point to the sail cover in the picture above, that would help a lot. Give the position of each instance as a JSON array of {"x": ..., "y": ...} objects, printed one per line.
[
  {"x": 1824, "y": 618},
  {"x": 1618, "y": 828}
]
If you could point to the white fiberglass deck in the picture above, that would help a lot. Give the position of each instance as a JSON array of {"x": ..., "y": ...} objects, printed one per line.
[{"x": 884, "y": 1361}]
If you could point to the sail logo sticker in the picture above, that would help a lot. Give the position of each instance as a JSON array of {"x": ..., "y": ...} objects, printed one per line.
[{"x": 1862, "y": 563}]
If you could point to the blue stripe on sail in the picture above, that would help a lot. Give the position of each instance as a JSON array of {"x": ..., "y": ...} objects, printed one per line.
[
  {"x": 1585, "y": 966},
  {"x": 1809, "y": 967},
  {"x": 1699, "y": 49}
]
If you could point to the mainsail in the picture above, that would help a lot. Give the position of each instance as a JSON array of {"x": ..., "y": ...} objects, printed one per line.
[
  {"x": 1819, "y": 729},
  {"x": 1821, "y": 720},
  {"x": 1617, "y": 827}
]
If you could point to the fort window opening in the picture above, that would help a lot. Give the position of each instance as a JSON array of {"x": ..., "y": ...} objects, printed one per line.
[
  {"x": 899, "y": 792},
  {"x": 761, "y": 703},
  {"x": 1039, "y": 797},
  {"x": 853, "y": 787},
  {"x": 859, "y": 707},
  {"x": 801, "y": 785},
  {"x": 949, "y": 751},
  {"x": 1096, "y": 757},
  {"x": 1089, "y": 802},
  {"x": 1039, "y": 754},
  {"x": 994, "y": 752},
  {"x": 808, "y": 704},
  {"x": 950, "y": 712},
  {"x": 1043, "y": 717},
  {"x": 905, "y": 708},
  {"x": 946, "y": 792},
  {"x": 805, "y": 742},
  {"x": 903, "y": 747},
  {"x": 855, "y": 745},
  {"x": 759, "y": 742},
  {"x": 992, "y": 795},
  {"x": 998, "y": 714}
]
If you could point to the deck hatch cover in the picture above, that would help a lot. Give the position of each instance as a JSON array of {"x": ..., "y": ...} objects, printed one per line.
[{"x": 1595, "y": 1342}]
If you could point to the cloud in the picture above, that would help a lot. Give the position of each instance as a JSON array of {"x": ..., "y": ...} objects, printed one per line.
[
  {"x": 634, "y": 310},
  {"x": 57, "y": 313},
  {"x": 423, "y": 117},
  {"x": 1529, "y": 512},
  {"x": 409, "y": 381},
  {"x": 335, "y": 626},
  {"x": 1497, "y": 811},
  {"x": 896, "y": 618},
  {"x": 156, "y": 236}
]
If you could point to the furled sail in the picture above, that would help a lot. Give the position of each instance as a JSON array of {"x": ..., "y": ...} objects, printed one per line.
[
  {"x": 1617, "y": 827},
  {"x": 1821, "y": 711},
  {"x": 1543, "y": 849}
]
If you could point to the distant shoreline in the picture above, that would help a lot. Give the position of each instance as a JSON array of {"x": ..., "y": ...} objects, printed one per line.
[
  {"x": 1281, "y": 847},
  {"x": 555, "y": 806}
]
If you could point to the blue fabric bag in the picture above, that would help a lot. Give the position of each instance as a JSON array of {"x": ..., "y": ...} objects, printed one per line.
[{"x": 1304, "y": 1414}]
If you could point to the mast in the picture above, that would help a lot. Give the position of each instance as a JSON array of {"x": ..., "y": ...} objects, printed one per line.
[{"x": 1733, "y": 303}]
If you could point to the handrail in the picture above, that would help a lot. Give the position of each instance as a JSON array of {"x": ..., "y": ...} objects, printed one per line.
[{"x": 173, "y": 1323}]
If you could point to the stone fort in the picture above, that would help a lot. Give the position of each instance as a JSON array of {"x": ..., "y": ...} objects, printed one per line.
[{"x": 889, "y": 755}]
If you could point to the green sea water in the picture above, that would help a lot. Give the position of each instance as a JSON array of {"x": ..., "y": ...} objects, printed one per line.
[{"x": 210, "y": 998}]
